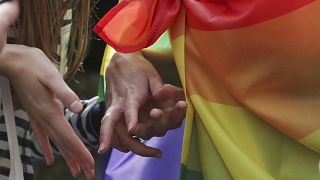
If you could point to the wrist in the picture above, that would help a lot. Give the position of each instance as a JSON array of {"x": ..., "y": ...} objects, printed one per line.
[{"x": 10, "y": 57}]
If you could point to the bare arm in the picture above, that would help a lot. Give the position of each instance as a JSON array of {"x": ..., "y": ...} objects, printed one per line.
[{"x": 39, "y": 88}]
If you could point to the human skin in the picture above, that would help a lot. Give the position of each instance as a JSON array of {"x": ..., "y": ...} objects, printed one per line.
[
  {"x": 8, "y": 13},
  {"x": 138, "y": 103},
  {"x": 40, "y": 89}
]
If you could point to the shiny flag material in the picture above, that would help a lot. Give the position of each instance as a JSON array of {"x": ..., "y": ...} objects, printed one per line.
[
  {"x": 250, "y": 70},
  {"x": 130, "y": 166},
  {"x": 136, "y": 24}
]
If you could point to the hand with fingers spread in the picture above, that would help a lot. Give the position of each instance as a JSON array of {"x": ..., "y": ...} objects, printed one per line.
[
  {"x": 134, "y": 92},
  {"x": 166, "y": 111},
  {"x": 156, "y": 117},
  {"x": 40, "y": 88},
  {"x": 131, "y": 80}
]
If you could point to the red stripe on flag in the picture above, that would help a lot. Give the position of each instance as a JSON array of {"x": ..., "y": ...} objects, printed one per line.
[
  {"x": 201, "y": 14},
  {"x": 230, "y": 14}
]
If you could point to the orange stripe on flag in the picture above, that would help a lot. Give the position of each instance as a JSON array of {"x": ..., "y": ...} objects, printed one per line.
[{"x": 272, "y": 68}]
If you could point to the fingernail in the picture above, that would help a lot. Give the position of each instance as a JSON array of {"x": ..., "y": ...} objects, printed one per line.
[
  {"x": 76, "y": 106},
  {"x": 101, "y": 147}
]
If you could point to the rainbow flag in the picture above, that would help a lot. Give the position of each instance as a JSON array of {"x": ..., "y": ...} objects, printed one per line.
[
  {"x": 130, "y": 166},
  {"x": 250, "y": 70}
]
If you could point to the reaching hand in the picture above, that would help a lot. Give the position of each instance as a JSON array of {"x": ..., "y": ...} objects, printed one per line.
[
  {"x": 131, "y": 80},
  {"x": 133, "y": 85},
  {"x": 40, "y": 88},
  {"x": 163, "y": 113},
  {"x": 155, "y": 119}
]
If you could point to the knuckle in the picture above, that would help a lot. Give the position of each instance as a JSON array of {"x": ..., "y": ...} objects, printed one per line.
[
  {"x": 66, "y": 96},
  {"x": 106, "y": 118},
  {"x": 117, "y": 60},
  {"x": 133, "y": 102},
  {"x": 49, "y": 110}
]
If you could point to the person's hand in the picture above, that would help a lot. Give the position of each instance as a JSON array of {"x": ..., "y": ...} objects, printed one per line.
[
  {"x": 40, "y": 89},
  {"x": 131, "y": 80},
  {"x": 166, "y": 111},
  {"x": 156, "y": 117},
  {"x": 134, "y": 86}
]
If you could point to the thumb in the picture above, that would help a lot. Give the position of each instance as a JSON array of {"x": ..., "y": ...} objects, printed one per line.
[{"x": 170, "y": 92}]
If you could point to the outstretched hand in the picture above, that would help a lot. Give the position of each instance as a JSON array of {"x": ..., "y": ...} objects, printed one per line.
[
  {"x": 130, "y": 80},
  {"x": 155, "y": 119},
  {"x": 166, "y": 111},
  {"x": 40, "y": 89}
]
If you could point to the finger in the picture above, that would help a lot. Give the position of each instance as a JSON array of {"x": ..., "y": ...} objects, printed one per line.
[
  {"x": 131, "y": 112},
  {"x": 118, "y": 145},
  {"x": 89, "y": 174},
  {"x": 80, "y": 158},
  {"x": 86, "y": 164},
  {"x": 155, "y": 84},
  {"x": 68, "y": 143},
  {"x": 170, "y": 92},
  {"x": 135, "y": 146},
  {"x": 144, "y": 131},
  {"x": 44, "y": 143},
  {"x": 169, "y": 119},
  {"x": 108, "y": 122},
  {"x": 156, "y": 113},
  {"x": 177, "y": 114},
  {"x": 140, "y": 148},
  {"x": 58, "y": 86},
  {"x": 74, "y": 167}
]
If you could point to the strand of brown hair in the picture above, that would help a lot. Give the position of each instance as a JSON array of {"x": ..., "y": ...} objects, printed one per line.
[{"x": 40, "y": 23}]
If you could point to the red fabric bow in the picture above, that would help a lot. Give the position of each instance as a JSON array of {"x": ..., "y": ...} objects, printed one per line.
[{"x": 136, "y": 24}]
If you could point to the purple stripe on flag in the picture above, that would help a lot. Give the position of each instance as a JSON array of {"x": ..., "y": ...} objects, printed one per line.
[{"x": 128, "y": 166}]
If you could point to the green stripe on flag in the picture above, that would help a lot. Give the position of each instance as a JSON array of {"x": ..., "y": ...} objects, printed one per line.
[{"x": 101, "y": 89}]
